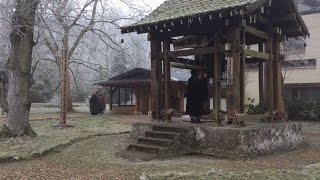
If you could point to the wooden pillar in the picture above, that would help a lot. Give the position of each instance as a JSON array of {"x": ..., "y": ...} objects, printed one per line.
[
  {"x": 111, "y": 98},
  {"x": 167, "y": 79},
  {"x": 269, "y": 81},
  {"x": 261, "y": 98},
  {"x": 150, "y": 104},
  {"x": 242, "y": 69},
  {"x": 181, "y": 100},
  {"x": 277, "y": 79},
  {"x": 217, "y": 84},
  {"x": 233, "y": 84},
  {"x": 155, "y": 76},
  {"x": 137, "y": 96}
]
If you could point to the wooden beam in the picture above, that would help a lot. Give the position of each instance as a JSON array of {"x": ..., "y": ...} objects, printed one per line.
[
  {"x": 192, "y": 41},
  {"x": 186, "y": 66},
  {"x": 183, "y": 60},
  {"x": 257, "y": 33},
  {"x": 264, "y": 20},
  {"x": 256, "y": 54},
  {"x": 287, "y": 18},
  {"x": 195, "y": 51}
]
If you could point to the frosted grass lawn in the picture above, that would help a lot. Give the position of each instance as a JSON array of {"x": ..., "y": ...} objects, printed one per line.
[{"x": 48, "y": 138}]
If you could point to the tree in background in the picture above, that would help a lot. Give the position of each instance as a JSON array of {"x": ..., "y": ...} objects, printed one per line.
[{"x": 16, "y": 102}]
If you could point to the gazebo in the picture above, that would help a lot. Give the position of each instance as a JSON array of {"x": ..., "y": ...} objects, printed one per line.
[
  {"x": 130, "y": 92},
  {"x": 221, "y": 37}
]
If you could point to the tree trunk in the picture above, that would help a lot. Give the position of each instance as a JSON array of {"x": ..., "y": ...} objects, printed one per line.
[
  {"x": 69, "y": 97},
  {"x": 19, "y": 70}
]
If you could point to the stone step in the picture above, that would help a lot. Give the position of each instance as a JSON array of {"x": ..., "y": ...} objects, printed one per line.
[
  {"x": 145, "y": 148},
  {"x": 168, "y": 129},
  {"x": 161, "y": 135},
  {"x": 155, "y": 141}
]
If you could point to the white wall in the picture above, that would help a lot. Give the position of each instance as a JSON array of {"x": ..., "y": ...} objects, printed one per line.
[{"x": 294, "y": 75}]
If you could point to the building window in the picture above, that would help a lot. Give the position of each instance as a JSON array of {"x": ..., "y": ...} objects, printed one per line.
[
  {"x": 315, "y": 94},
  {"x": 123, "y": 97},
  {"x": 304, "y": 63},
  {"x": 302, "y": 93},
  {"x": 294, "y": 46}
]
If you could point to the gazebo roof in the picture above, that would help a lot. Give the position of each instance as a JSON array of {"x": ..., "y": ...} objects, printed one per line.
[
  {"x": 137, "y": 76},
  {"x": 176, "y": 10}
]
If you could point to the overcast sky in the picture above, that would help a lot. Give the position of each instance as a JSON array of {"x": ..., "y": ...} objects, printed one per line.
[{"x": 154, "y": 3}]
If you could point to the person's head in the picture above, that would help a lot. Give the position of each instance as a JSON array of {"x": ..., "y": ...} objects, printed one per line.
[
  {"x": 203, "y": 74},
  {"x": 194, "y": 72}
]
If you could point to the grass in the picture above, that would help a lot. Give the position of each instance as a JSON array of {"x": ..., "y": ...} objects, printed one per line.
[
  {"x": 311, "y": 172},
  {"x": 47, "y": 108},
  {"x": 50, "y": 138}
]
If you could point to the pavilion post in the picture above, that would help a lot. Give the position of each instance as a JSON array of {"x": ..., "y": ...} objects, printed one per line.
[
  {"x": 277, "y": 82},
  {"x": 242, "y": 69},
  {"x": 269, "y": 80},
  {"x": 233, "y": 68},
  {"x": 217, "y": 84},
  {"x": 261, "y": 98},
  {"x": 155, "y": 76},
  {"x": 137, "y": 96},
  {"x": 181, "y": 100},
  {"x": 167, "y": 78}
]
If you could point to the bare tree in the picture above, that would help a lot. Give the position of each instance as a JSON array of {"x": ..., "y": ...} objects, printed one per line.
[
  {"x": 17, "y": 104},
  {"x": 67, "y": 24}
]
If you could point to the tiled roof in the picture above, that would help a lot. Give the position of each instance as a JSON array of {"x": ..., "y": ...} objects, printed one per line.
[
  {"x": 140, "y": 76},
  {"x": 175, "y": 9}
]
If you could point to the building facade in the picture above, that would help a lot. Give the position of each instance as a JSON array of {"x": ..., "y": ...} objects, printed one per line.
[{"x": 301, "y": 68}]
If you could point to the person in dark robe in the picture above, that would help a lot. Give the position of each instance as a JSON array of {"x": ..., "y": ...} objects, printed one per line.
[
  {"x": 195, "y": 96},
  {"x": 102, "y": 102},
  {"x": 94, "y": 103},
  {"x": 95, "y": 108}
]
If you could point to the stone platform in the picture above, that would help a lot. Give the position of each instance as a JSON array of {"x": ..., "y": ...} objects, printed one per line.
[{"x": 180, "y": 138}]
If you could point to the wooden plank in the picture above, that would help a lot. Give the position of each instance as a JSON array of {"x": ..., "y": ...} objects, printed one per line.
[
  {"x": 195, "y": 51},
  {"x": 284, "y": 19},
  {"x": 264, "y": 20},
  {"x": 257, "y": 33},
  {"x": 186, "y": 66},
  {"x": 257, "y": 54},
  {"x": 192, "y": 41},
  {"x": 183, "y": 60}
]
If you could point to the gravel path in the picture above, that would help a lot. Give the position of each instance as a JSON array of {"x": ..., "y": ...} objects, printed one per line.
[{"x": 98, "y": 158}]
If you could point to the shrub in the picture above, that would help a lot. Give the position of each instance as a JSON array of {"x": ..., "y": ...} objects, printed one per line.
[
  {"x": 316, "y": 110},
  {"x": 300, "y": 110},
  {"x": 256, "y": 109}
]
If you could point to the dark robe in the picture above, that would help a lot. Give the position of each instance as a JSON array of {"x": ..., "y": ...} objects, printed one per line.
[
  {"x": 95, "y": 107},
  {"x": 196, "y": 95},
  {"x": 102, "y": 102}
]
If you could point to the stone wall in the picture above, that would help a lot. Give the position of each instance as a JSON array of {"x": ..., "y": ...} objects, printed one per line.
[{"x": 229, "y": 142}]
